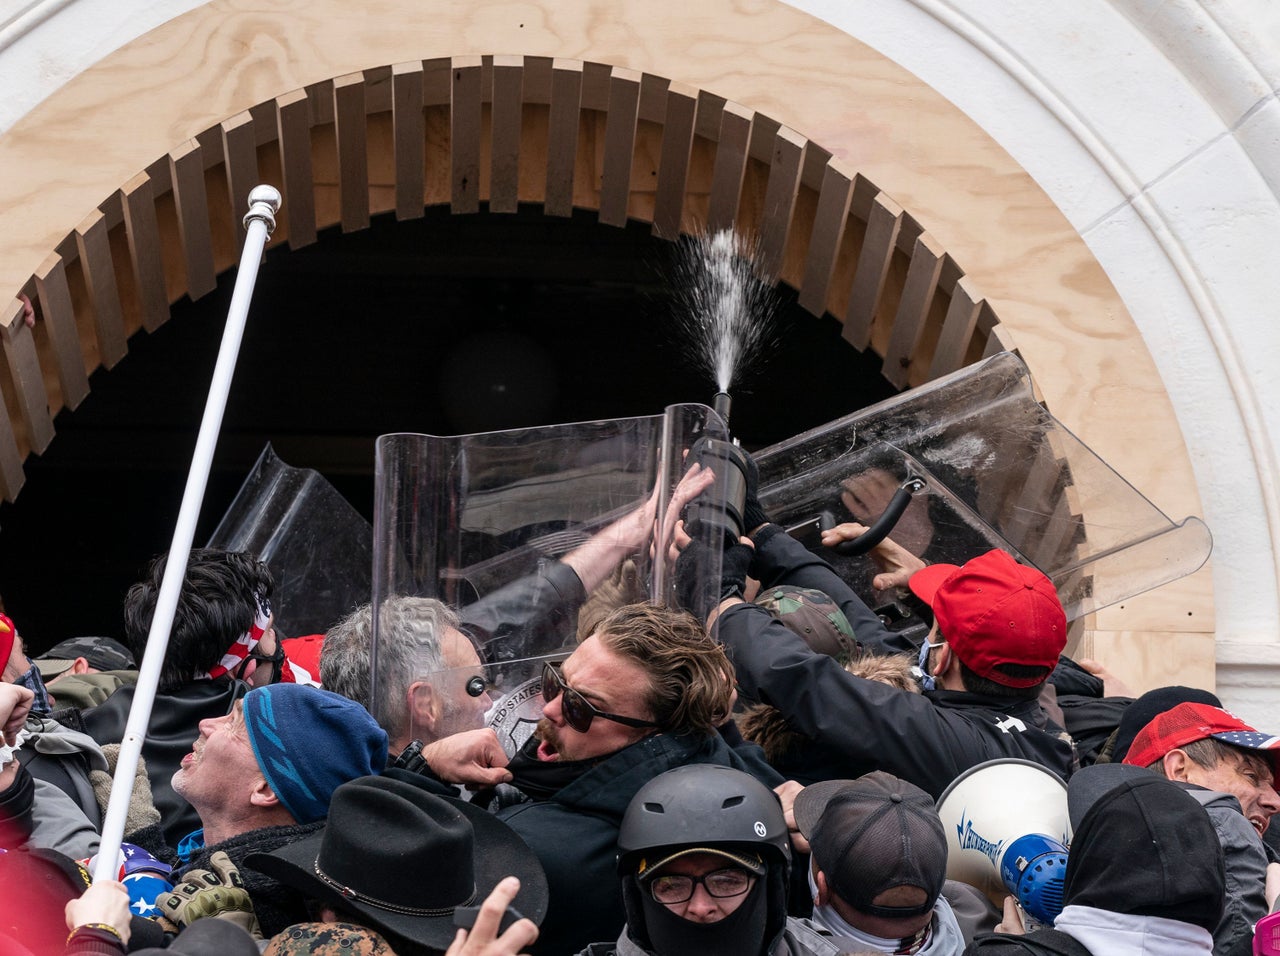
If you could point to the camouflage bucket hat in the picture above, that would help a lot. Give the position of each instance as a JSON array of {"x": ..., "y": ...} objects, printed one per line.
[
  {"x": 328, "y": 939},
  {"x": 815, "y": 617}
]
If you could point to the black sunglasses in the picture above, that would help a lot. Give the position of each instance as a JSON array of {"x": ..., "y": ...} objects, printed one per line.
[{"x": 578, "y": 711}]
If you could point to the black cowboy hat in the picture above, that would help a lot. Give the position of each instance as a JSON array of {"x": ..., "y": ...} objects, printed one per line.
[{"x": 404, "y": 859}]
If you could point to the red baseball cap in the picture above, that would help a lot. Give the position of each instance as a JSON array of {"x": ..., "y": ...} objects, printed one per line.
[
  {"x": 8, "y": 631},
  {"x": 993, "y": 611},
  {"x": 1190, "y": 722}
]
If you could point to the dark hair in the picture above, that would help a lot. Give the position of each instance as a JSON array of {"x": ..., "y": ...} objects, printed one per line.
[
  {"x": 690, "y": 678},
  {"x": 1208, "y": 752},
  {"x": 975, "y": 684},
  {"x": 218, "y": 603}
]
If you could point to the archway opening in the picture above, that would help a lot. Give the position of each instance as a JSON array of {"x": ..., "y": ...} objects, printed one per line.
[{"x": 445, "y": 324}]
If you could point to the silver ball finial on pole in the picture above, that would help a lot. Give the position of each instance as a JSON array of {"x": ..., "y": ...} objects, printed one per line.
[{"x": 264, "y": 203}]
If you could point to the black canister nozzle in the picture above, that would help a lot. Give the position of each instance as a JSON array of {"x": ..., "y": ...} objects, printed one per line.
[{"x": 722, "y": 403}]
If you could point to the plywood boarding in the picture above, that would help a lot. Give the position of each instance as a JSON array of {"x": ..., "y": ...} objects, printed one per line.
[
  {"x": 464, "y": 127},
  {"x": 506, "y": 118},
  {"x": 878, "y": 244},
  {"x": 824, "y": 240},
  {"x": 299, "y": 207},
  {"x": 145, "y": 256},
  {"x": 28, "y": 383},
  {"x": 780, "y": 200},
  {"x": 619, "y": 145},
  {"x": 353, "y": 154},
  {"x": 410, "y": 145},
  {"x": 59, "y": 323},
  {"x": 918, "y": 294},
  {"x": 99, "y": 271},
  {"x": 562, "y": 135},
  {"x": 240, "y": 151},
  {"x": 673, "y": 167},
  {"x": 730, "y": 167},
  {"x": 192, "y": 203}
]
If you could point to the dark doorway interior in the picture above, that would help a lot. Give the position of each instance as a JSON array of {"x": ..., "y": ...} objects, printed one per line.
[{"x": 445, "y": 325}]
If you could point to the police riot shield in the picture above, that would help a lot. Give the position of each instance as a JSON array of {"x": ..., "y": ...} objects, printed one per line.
[
  {"x": 495, "y": 553},
  {"x": 975, "y": 463},
  {"x": 318, "y": 547}
]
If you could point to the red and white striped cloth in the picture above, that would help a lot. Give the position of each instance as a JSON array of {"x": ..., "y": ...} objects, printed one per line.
[{"x": 244, "y": 645}]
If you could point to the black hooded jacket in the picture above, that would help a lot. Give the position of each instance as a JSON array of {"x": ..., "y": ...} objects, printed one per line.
[
  {"x": 173, "y": 728},
  {"x": 1145, "y": 848}
]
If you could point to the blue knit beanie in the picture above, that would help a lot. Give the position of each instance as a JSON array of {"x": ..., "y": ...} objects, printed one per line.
[{"x": 310, "y": 741}]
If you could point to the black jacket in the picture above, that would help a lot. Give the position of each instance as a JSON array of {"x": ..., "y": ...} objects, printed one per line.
[
  {"x": 862, "y": 725},
  {"x": 574, "y": 833},
  {"x": 173, "y": 728}
]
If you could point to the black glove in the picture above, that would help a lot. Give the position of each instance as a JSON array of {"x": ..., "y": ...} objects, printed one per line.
[
  {"x": 696, "y": 591},
  {"x": 753, "y": 516}
]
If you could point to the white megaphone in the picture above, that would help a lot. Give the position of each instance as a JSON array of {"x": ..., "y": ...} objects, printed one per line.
[{"x": 1007, "y": 832}]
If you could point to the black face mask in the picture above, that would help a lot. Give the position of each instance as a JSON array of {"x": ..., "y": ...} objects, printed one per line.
[{"x": 741, "y": 933}]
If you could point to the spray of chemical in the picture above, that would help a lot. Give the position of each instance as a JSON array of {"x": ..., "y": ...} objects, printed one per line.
[{"x": 724, "y": 308}]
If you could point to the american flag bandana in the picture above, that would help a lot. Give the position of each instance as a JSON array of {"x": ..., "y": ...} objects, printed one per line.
[{"x": 244, "y": 646}]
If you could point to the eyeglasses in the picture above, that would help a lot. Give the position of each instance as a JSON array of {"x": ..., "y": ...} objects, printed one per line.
[
  {"x": 721, "y": 884},
  {"x": 578, "y": 711}
]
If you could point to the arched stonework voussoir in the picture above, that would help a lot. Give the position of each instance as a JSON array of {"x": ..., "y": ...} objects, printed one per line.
[{"x": 502, "y": 130}]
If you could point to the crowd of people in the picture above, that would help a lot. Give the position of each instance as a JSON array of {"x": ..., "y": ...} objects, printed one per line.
[{"x": 753, "y": 770}]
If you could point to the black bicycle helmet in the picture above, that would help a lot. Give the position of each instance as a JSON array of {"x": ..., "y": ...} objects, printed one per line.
[{"x": 703, "y": 805}]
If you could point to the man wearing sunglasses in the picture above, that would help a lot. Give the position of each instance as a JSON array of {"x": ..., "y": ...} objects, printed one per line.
[{"x": 643, "y": 694}]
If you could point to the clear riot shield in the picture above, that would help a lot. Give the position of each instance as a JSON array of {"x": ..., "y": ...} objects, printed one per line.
[
  {"x": 983, "y": 466},
  {"x": 318, "y": 547},
  {"x": 529, "y": 536}
]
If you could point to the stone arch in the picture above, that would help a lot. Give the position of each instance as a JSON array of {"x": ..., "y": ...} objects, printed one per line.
[{"x": 502, "y": 130}]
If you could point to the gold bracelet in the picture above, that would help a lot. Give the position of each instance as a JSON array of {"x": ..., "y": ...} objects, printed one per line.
[{"x": 105, "y": 927}]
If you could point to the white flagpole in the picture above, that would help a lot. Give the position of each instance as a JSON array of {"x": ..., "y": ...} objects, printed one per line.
[{"x": 264, "y": 203}]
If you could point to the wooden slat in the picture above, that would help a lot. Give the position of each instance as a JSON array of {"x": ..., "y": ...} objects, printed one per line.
[
  {"x": 186, "y": 165},
  {"x": 60, "y": 323},
  {"x": 464, "y": 124},
  {"x": 619, "y": 145},
  {"x": 562, "y": 135},
  {"x": 1030, "y": 505},
  {"x": 957, "y": 330},
  {"x": 673, "y": 168},
  {"x": 240, "y": 147},
  {"x": 507, "y": 114},
  {"x": 28, "y": 382},
  {"x": 913, "y": 309},
  {"x": 730, "y": 166},
  {"x": 353, "y": 151},
  {"x": 595, "y": 86},
  {"x": 437, "y": 81},
  {"x": 410, "y": 147},
  {"x": 100, "y": 278},
  {"x": 143, "y": 232},
  {"x": 11, "y": 476},
  {"x": 780, "y": 200},
  {"x": 824, "y": 241},
  {"x": 293, "y": 127},
  {"x": 883, "y": 223},
  {"x": 653, "y": 98}
]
